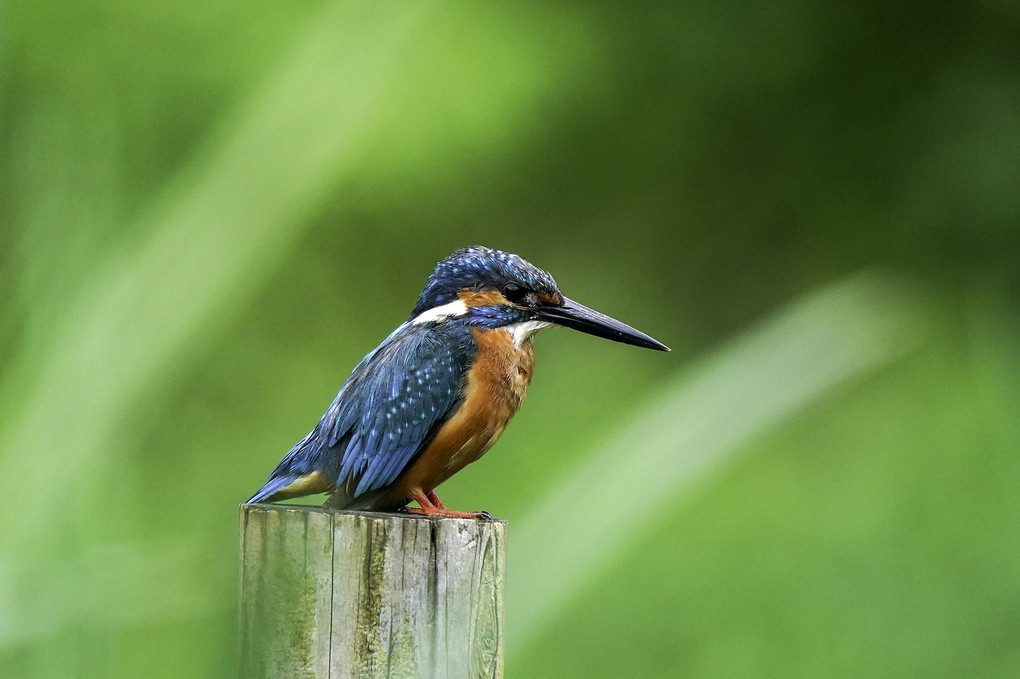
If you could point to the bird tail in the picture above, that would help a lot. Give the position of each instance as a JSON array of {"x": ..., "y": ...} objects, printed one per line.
[{"x": 272, "y": 487}]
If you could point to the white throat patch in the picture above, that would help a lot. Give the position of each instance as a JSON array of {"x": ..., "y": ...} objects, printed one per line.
[
  {"x": 441, "y": 313},
  {"x": 523, "y": 331}
]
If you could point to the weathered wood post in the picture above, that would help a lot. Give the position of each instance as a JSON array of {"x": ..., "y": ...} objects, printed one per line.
[{"x": 338, "y": 594}]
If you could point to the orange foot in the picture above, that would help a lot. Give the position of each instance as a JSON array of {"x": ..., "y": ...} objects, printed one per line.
[{"x": 431, "y": 505}]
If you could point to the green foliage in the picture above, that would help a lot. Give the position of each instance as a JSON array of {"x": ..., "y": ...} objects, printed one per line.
[{"x": 211, "y": 212}]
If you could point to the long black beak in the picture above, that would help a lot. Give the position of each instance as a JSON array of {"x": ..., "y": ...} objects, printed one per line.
[{"x": 580, "y": 317}]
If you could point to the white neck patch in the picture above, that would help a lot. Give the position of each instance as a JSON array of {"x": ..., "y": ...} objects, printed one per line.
[
  {"x": 523, "y": 331},
  {"x": 441, "y": 313}
]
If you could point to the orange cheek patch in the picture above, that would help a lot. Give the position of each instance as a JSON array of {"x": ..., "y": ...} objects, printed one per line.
[
  {"x": 483, "y": 298},
  {"x": 553, "y": 299}
]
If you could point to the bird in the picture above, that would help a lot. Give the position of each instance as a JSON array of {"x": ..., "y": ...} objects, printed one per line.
[{"x": 438, "y": 392}]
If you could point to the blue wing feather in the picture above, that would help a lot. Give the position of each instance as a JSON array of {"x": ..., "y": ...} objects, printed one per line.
[{"x": 386, "y": 412}]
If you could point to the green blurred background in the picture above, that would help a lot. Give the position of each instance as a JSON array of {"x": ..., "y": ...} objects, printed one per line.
[{"x": 211, "y": 211}]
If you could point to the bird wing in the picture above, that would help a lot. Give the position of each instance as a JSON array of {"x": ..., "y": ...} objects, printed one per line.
[{"x": 387, "y": 412}]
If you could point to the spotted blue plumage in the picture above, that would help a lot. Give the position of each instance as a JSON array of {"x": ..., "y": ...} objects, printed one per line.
[
  {"x": 474, "y": 267},
  {"x": 384, "y": 414}
]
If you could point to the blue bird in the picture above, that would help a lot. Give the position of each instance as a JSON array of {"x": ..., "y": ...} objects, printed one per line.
[{"x": 439, "y": 391}]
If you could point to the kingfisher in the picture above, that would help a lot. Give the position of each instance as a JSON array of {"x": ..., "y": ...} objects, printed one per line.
[{"x": 439, "y": 391}]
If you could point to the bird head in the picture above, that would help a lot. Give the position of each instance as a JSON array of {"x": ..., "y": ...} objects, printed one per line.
[{"x": 496, "y": 289}]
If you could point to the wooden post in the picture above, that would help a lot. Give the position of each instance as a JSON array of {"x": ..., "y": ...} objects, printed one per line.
[{"x": 338, "y": 594}]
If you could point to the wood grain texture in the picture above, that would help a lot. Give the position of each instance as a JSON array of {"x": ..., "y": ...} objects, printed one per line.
[{"x": 342, "y": 594}]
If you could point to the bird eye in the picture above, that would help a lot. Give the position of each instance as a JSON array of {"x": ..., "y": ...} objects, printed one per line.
[{"x": 513, "y": 292}]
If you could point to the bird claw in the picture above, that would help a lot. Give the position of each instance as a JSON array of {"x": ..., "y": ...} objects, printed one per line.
[{"x": 435, "y": 512}]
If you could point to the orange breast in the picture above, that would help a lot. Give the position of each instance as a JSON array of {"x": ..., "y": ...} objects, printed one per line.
[{"x": 493, "y": 391}]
